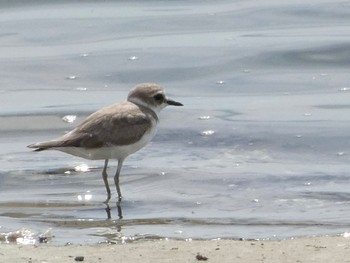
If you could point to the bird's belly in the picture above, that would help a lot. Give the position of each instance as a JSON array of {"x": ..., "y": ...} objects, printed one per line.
[{"x": 109, "y": 151}]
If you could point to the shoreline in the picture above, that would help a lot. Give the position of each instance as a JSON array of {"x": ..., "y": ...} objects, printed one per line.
[{"x": 305, "y": 249}]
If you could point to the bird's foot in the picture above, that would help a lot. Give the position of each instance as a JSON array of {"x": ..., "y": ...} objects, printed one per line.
[
  {"x": 119, "y": 208},
  {"x": 108, "y": 211}
]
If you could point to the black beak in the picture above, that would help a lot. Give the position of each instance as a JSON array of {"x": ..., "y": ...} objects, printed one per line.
[{"x": 174, "y": 103}]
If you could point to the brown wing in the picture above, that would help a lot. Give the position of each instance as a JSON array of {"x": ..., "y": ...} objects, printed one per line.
[{"x": 118, "y": 124}]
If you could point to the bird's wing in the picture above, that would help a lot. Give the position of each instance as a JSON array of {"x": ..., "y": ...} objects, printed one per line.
[{"x": 118, "y": 124}]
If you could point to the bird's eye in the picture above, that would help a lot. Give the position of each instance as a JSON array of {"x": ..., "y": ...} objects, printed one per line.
[{"x": 158, "y": 97}]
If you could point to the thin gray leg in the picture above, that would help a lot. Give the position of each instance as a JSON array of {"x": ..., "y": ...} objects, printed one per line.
[
  {"x": 105, "y": 180},
  {"x": 116, "y": 178}
]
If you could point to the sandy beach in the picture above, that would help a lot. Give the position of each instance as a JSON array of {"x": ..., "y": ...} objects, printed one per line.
[{"x": 310, "y": 249}]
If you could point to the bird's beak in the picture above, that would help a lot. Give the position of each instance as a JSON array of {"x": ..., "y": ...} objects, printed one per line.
[{"x": 173, "y": 102}]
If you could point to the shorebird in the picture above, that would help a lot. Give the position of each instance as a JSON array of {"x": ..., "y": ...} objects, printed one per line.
[{"x": 115, "y": 131}]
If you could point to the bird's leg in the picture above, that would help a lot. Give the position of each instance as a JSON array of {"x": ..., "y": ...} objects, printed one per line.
[
  {"x": 116, "y": 179},
  {"x": 105, "y": 180}
]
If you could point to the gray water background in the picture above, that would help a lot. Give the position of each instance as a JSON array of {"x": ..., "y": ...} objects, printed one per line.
[{"x": 260, "y": 150}]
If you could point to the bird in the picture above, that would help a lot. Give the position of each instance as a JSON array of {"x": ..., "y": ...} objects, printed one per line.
[{"x": 115, "y": 131}]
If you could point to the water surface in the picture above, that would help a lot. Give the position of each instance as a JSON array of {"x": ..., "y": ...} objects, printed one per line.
[{"x": 260, "y": 150}]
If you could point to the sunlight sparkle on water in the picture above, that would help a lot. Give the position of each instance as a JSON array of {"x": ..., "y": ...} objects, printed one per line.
[
  {"x": 208, "y": 133},
  {"x": 81, "y": 89},
  {"x": 85, "y": 197},
  {"x": 69, "y": 118},
  {"x": 82, "y": 168}
]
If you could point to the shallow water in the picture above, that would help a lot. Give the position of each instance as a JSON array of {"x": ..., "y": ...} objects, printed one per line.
[{"x": 260, "y": 149}]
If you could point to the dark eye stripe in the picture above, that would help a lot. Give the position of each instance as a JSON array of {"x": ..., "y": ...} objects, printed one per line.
[{"x": 158, "y": 97}]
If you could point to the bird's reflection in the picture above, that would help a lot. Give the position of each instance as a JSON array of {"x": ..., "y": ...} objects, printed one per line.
[{"x": 119, "y": 210}]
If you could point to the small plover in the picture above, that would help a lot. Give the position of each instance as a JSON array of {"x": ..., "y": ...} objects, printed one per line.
[{"x": 115, "y": 131}]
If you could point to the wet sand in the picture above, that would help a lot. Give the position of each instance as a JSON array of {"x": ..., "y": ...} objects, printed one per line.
[{"x": 311, "y": 249}]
